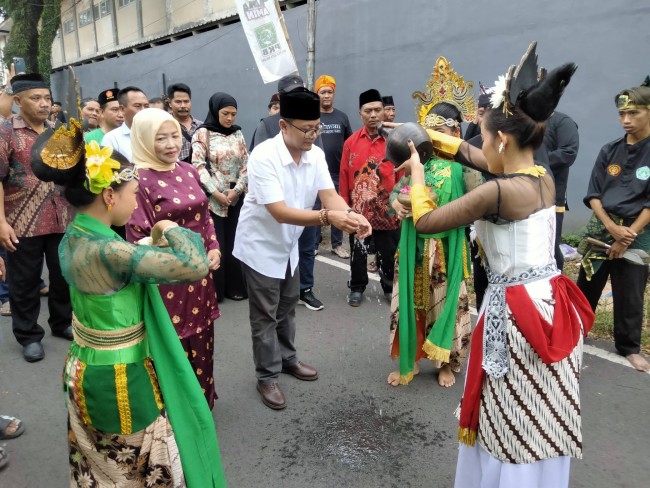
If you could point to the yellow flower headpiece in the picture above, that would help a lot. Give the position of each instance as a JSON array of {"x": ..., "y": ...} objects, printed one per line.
[
  {"x": 448, "y": 86},
  {"x": 101, "y": 168}
]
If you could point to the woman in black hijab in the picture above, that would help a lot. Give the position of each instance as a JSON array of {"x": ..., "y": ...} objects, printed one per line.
[{"x": 219, "y": 154}]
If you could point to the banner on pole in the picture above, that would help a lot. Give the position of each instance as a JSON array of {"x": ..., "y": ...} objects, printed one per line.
[{"x": 266, "y": 38}]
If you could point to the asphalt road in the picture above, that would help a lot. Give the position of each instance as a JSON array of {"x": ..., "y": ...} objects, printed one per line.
[{"x": 348, "y": 429}]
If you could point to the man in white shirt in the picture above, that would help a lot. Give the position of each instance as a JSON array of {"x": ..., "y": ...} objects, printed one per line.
[
  {"x": 131, "y": 100},
  {"x": 285, "y": 175}
]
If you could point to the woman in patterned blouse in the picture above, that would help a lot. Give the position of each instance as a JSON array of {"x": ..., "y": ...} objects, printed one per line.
[{"x": 219, "y": 154}]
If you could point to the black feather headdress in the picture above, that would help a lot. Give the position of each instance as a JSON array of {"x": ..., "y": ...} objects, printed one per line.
[{"x": 530, "y": 88}]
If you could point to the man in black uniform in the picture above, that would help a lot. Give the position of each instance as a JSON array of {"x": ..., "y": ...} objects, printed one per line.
[
  {"x": 619, "y": 195},
  {"x": 561, "y": 142}
]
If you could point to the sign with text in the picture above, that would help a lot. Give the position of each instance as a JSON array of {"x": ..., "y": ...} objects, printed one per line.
[{"x": 266, "y": 37}]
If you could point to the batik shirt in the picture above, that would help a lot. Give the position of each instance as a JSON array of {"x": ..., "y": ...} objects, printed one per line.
[
  {"x": 32, "y": 207},
  {"x": 221, "y": 161},
  {"x": 366, "y": 180},
  {"x": 187, "y": 142}
]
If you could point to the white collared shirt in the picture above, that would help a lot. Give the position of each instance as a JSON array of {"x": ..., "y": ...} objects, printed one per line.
[
  {"x": 261, "y": 242},
  {"x": 120, "y": 140}
]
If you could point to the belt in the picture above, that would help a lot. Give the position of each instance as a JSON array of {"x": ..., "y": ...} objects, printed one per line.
[
  {"x": 495, "y": 343},
  {"x": 107, "y": 340}
]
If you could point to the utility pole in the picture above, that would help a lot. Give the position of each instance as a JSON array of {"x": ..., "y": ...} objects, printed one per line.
[{"x": 311, "y": 43}]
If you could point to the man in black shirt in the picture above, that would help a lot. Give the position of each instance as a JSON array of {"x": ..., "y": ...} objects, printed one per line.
[
  {"x": 619, "y": 195},
  {"x": 336, "y": 129},
  {"x": 561, "y": 142}
]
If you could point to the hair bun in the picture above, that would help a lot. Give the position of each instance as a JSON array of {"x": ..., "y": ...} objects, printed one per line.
[{"x": 540, "y": 101}]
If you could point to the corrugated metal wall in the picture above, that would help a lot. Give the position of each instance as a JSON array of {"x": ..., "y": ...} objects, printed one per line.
[{"x": 391, "y": 45}]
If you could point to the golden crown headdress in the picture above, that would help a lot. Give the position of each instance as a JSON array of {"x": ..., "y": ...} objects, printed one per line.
[{"x": 448, "y": 86}]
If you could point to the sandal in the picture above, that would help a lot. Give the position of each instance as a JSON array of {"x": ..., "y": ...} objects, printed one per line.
[
  {"x": 5, "y": 422},
  {"x": 4, "y": 457}
]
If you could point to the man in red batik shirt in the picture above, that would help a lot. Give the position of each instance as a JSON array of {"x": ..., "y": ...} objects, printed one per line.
[{"x": 365, "y": 183}]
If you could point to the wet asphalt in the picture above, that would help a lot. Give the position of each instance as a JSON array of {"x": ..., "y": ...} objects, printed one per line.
[{"x": 349, "y": 428}]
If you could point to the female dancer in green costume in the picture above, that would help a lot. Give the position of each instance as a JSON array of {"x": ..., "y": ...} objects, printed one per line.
[
  {"x": 430, "y": 310},
  {"x": 136, "y": 414}
]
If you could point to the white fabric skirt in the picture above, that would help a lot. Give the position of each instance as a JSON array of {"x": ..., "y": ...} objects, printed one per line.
[{"x": 477, "y": 469}]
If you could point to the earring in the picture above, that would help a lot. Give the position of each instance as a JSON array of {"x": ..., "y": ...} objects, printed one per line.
[
  {"x": 109, "y": 207},
  {"x": 502, "y": 148}
]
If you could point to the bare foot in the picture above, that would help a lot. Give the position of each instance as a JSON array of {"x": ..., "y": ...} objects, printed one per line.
[
  {"x": 638, "y": 362},
  {"x": 394, "y": 377},
  {"x": 446, "y": 376}
]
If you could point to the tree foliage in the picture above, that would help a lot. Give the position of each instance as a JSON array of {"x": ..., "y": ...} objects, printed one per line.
[{"x": 35, "y": 23}]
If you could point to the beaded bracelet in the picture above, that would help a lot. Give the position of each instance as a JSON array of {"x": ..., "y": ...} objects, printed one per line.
[{"x": 323, "y": 217}]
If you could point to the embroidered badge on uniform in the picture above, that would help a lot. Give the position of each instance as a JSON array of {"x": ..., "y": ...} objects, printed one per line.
[
  {"x": 614, "y": 169},
  {"x": 643, "y": 173}
]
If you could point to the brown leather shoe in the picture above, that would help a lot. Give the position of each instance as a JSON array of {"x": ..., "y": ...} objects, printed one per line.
[
  {"x": 272, "y": 395},
  {"x": 301, "y": 371}
]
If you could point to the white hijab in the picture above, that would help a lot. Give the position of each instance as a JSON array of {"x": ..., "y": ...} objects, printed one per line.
[{"x": 146, "y": 125}]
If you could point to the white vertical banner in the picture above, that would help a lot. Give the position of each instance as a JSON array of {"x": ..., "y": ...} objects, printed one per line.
[{"x": 266, "y": 38}]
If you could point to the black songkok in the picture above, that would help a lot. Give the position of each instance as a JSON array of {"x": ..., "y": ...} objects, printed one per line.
[
  {"x": 28, "y": 81},
  {"x": 388, "y": 101},
  {"x": 107, "y": 96},
  {"x": 300, "y": 104},
  {"x": 483, "y": 100},
  {"x": 369, "y": 96}
]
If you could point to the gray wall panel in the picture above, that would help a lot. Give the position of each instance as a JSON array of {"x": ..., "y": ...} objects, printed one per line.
[{"x": 391, "y": 46}]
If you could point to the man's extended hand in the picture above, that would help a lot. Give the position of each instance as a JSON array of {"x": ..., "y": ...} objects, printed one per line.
[{"x": 365, "y": 229}]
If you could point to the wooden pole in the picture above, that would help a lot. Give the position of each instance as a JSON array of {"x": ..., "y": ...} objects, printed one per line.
[
  {"x": 311, "y": 43},
  {"x": 284, "y": 28}
]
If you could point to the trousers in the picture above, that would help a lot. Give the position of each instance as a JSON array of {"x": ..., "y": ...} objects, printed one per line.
[
  {"x": 386, "y": 242},
  {"x": 628, "y": 289},
  {"x": 24, "y": 266},
  {"x": 272, "y": 312}
]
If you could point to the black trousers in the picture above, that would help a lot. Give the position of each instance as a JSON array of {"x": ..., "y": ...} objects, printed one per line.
[
  {"x": 228, "y": 279},
  {"x": 24, "y": 266},
  {"x": 559, "y": 258},
  {"x": 386, "y": 242},
  {"x": 628, "y": 288}
]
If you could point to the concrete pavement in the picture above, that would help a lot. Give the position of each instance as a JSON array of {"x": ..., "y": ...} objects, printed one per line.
[{"x": 348, "y": 429}]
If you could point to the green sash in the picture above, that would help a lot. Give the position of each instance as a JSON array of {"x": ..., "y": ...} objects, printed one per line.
[
  {"x": 188, "y": 412},
  {"x": 446, "y": 179}
]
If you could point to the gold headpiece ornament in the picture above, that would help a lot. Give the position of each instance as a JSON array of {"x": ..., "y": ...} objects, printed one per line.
[
  {"x": 448, "y": 86},
  {"x": 65, "y": 148}
]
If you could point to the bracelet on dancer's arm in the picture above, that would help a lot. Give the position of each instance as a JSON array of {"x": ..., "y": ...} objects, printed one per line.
[
  {"x": 444, "y": 144},
  {"x": 421, "y": 202}
]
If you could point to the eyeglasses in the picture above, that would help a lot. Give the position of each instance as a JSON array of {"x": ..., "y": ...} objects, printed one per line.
[{"x": 309, "y": 133}]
